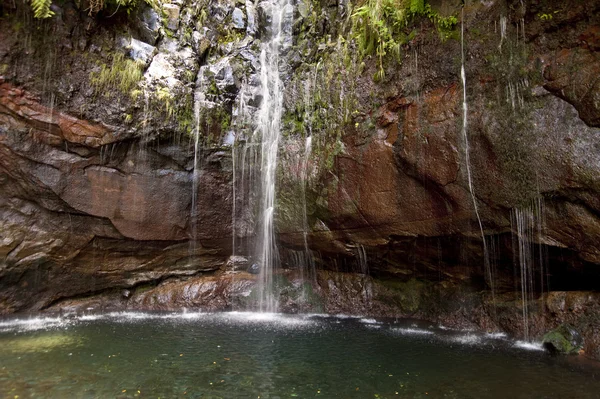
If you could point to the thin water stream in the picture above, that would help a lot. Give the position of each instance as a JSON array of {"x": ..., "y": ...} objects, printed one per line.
[{"x": 465, "y": 135}]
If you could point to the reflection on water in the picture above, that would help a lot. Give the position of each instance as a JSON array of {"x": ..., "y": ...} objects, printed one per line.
[{"x": 244, "y": 355}]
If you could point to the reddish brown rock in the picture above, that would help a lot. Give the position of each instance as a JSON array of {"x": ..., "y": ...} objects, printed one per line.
[
  {"x": 574, "y": 75},
  {"x": 20, "y": 108}
]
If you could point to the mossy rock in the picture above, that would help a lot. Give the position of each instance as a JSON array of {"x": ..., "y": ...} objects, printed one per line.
[{"x": 564, "y": 340}]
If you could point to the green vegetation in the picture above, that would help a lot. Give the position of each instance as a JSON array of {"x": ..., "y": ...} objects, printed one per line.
[
  {"x": 563, "y": 339},
  {"x": 41, "y": 8},
  {"x": 213, "y": 122},
  {"x": 122, "y": 74},
  {"x": 380, "y": 26},
  {"x": 546, "y": 16},
  {"x": 164, "y": 97},
  {"x": 410, "y": 296},
  {"x": 512, "y": 104}
]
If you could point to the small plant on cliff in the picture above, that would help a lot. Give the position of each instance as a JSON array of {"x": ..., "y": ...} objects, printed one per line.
[
  {"x": 122, "y": 74},
  {"x": 41, "y": 8},
  {"x": 379, "y": 26}
]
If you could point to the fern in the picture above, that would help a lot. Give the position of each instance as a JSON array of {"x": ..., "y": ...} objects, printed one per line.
[
  {"x": 379, "y": 26},
  {"x": 41, "y": 8}
]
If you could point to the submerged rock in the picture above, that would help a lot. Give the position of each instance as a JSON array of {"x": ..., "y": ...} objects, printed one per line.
[{"x": 564, "y": 340}]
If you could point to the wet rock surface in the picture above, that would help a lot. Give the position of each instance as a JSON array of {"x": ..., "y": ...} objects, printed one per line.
[{"x": 563, "y": 340}]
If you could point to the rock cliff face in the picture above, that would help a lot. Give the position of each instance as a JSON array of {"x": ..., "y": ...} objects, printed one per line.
[{"x": 98, "y": 117}]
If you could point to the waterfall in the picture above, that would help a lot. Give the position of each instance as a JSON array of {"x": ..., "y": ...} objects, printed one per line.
[
  {"x": 486, "y": 260},
  {"x": 309, "y": 265},
  {"x": 528, "y": 223},
  {"x": 503, "y": 21},
  {"x": 268, "y": 133},
  {"x": 361, "y": 253}
]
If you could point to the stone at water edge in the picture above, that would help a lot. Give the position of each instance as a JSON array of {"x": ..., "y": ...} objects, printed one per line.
[{"x": 564, "y": 340}]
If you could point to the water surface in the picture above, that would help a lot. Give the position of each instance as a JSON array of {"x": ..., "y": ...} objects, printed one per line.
[{"x": 245, "y": 355}]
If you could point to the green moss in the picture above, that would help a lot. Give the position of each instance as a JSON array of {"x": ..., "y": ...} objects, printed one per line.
[
  {"x": 512, "y": 104},
  {"x": 122, "y": 74},
  {"x": 41, "y": 8},
  {"x": 379, "y": 27},
  {"x": 166, "y": 99},
  {"x": 407, "y": 295},
  {"x": 213, "y": 122},
  {"x": 563, "y": 339}
]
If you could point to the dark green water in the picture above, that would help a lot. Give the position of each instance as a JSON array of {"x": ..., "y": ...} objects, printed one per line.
[{"x": 244, "y": 355}]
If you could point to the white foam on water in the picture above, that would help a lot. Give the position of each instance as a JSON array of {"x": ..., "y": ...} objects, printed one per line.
[
  {"x": 33, "y": 324},
  {"x": 129, "y": 316},
  {"x": 344, "y": 316},
  {"x": 193, "y": 315},
  {"x": 135, "y": 316},
  {"x": 468, "y": 339},
  {"x": 412, "y": 331},
  {"x": 314, "y": 315},
  {"x": 91, "y": 317},
  {"x": 369, "y": 321},
  {"x": 273, "y": 319},
  {"x": 496, "y": 335},
  {"x": 530, "y": 346}
]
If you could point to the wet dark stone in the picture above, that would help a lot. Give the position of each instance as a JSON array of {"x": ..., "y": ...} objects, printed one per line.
[
  {"x": 564, "y": 339},
  {"x": 254, "y": 268}
]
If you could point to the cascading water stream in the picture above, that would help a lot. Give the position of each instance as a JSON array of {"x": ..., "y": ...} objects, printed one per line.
[
  {"x": 486, "y": 260},
  {"x": 309, "y": 264},
  {"x": 268, "y": 132},
  {"x": 529, "y": 223},
  {"x": 195, "y": 176}
]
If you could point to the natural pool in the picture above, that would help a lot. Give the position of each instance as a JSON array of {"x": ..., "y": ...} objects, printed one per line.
[{"x": 249, "y": 355}]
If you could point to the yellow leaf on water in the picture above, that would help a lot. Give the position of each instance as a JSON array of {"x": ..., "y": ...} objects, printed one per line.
[{"x": 124, "y": 390}]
